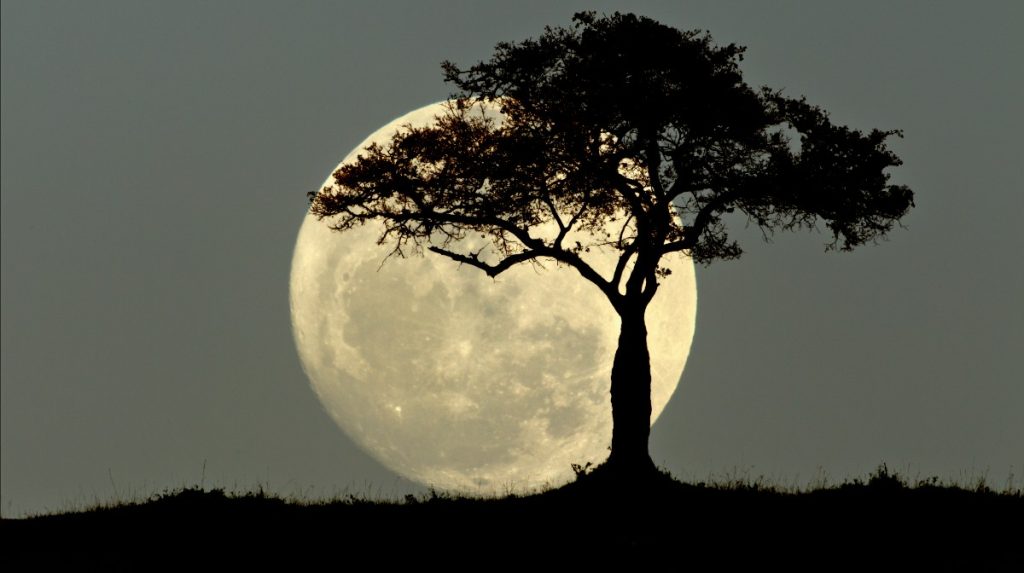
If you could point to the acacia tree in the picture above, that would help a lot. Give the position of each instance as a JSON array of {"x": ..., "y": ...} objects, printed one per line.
[{"x": 624, "y": 134}]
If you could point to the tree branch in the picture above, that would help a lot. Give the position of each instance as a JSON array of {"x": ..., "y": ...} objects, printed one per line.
[
  {"x": 622, "y": 185},
  {"x": 620, "y": 266},
  {"x": 654, "y": 168},
  {"x": 554, "y": 212},
  {"x": 650, "y": 284},
  {"x": 701, "y": 221},
  {"x": 492, "y": 271}
]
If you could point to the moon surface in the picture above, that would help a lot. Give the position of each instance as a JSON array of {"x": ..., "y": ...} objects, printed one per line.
[{"x": 463, "y": 382}]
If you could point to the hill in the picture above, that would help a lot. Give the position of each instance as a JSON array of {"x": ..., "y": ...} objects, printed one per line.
[{"x": 879, "y": 522}]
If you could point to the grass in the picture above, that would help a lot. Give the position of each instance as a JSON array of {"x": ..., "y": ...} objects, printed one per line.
[{"x": 739, "y": 521}]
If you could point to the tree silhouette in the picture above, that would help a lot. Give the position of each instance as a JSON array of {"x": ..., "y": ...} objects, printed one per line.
[{"x": 617, "y": 133}]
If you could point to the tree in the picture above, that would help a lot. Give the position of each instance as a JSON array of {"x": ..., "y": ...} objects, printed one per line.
[{"x": 619, "y": 133}]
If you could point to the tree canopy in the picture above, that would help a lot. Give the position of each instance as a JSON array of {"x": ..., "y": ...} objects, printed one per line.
[{"x": 619, "y": 120}]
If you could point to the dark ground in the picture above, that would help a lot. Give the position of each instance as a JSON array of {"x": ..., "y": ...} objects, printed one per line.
[{"x": 879, "y": 524}]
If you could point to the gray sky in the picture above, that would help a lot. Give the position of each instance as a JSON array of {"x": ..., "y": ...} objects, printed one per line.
[{"x": 155, "y": 161}]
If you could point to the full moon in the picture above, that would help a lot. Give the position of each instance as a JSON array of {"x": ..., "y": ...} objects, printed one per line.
[{"x": 463, "y": 382}]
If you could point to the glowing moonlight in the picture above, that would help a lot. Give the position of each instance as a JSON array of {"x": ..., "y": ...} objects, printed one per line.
[{"x": 459, "y": 381}]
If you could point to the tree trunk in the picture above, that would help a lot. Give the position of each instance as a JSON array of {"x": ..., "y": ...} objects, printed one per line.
[{"x": 631, "y": 399}]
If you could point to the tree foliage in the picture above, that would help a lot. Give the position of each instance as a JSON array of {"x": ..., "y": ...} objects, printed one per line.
[{"x": 623, "y": 133}]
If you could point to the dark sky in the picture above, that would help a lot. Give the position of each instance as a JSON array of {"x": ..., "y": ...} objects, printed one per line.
[{"x": 155, "y": 161}]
